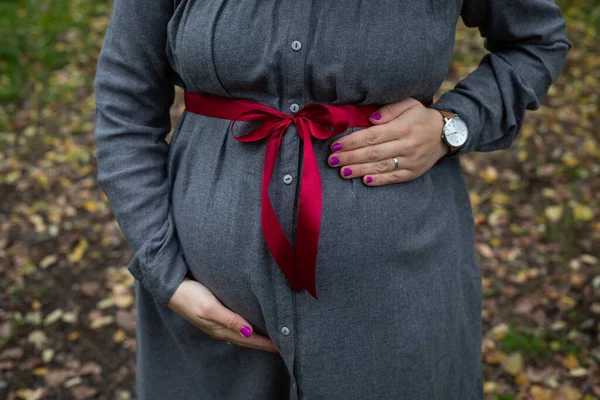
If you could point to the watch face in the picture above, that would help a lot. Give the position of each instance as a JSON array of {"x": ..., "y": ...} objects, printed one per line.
[{"x": 456, "y": 131}]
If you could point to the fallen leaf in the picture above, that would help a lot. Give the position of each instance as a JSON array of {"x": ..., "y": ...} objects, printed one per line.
[
  {"x": 84, "y": 392},
  {"x": 13, "y": 353},
  {"x": 513, "y": 364},
  {"x": 38, "y": 338}
]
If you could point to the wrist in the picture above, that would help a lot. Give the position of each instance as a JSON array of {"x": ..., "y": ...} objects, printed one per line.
[
  {"x": 445, "y": 115},
  {"x": 443, "y": 147}
]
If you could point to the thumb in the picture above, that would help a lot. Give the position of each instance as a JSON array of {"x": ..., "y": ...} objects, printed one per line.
[
  {"x": 224, "y": 316},
  {"x": 390, "y": 111}
]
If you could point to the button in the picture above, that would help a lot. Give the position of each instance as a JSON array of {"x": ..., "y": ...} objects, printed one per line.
[
  {"x": 285, "y": 330},
  {"x": 294, "y": 107},
  {"x": 296, "y": 45},
  {"x": 287, "y": 179}
]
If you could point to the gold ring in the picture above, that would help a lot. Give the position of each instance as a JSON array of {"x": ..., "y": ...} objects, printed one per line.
[{"x": 395, "y": 163}]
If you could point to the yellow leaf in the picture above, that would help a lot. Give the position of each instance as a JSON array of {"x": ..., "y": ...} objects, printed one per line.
[
  {"x": 102, "y": 321},
  {"x": 569, "y": 160},
  {"x": 79, "y": 250},
  {"x": 43, "y": 180},
  {"x": 590, "y": 147},
  {"x": 522, "y": 380},
  {"x": 549, "y": 193},
  {"x": 47, "y": 355},
  {"x": 570, "y": 362},
  {"x": 566, "y": 303},
  {"x": 568, "y": 393},
  {"x": 500, "y": 198},
  {"x": 104, "y": 303},
  {"x": 53, "y": 316},
  {"x": 489, "y": 175},
  {"x": 539, "y": 393},
  {"x": 48, "y": 261},
  {"x": 499, "y": 331},
  {"x": 90, "y": 206},
  {"x": 513, "y": 363},
  {"x": 553, "y": 213},
  {"x": 582, "y": 212},
  {"x": 41, "y": 371},
  {"x": 490, "y": 387},
  {"x": 498, "y": 217},
  {"x": 589, "y": 259},
  {"x": 522, "y": 155},
  {"x": 119, "y": 336},
  {"x": 578, "y": 372}
]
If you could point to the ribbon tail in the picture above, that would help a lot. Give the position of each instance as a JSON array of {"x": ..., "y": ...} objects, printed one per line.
[
  {"x": 309, "y": 215},
  {"x": 280, "y": 247}
]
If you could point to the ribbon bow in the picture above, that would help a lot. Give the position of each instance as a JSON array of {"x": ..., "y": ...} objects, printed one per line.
[{"x": 299, "y": 264}]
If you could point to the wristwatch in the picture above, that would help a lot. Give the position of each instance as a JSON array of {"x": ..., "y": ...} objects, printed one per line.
[{"x": 455, "y": 131}]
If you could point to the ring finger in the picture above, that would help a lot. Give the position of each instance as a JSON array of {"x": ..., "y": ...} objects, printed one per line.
[{"x": 379, "y": 167}]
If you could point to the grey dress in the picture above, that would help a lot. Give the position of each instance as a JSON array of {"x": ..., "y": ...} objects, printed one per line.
[{"x": 399, "y": 308}]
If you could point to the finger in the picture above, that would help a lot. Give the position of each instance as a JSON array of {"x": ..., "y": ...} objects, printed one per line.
[
  {"x": 390, "y": 111},
  {"x": 379, "y": 167},
  {"x": 256, "y": 341},
  {"x": 372, "y": 135},
  {"x": 364, "y": 137},
  {"x": 399, "y": 175},
  {"x": 230, "y": 320},
  {"x": 369, "y": 154}
]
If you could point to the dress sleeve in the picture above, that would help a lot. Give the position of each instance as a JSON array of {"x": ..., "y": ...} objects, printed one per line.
[
  {"x": 134, "y": 95},
  {"x": 527, "y": 47}
]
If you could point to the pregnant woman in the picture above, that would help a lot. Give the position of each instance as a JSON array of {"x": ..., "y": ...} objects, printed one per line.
[{"x": 307, "y": 233}]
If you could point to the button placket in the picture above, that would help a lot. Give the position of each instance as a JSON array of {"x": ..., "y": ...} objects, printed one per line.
[{"x": 295, "y": 96}]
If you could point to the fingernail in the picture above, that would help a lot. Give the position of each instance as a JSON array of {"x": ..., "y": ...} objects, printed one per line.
[
  {"x": 376, "y": 116},
  {"x": 337, "y": 147},
  {"x": 347, "y": 171},
  {"x": 334, "y": 160},
  {"x": 246, "y": 331},
  {"x": 369, "y": 179}
]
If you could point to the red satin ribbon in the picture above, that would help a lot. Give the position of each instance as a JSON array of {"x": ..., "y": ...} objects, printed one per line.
[{"x": 299, "y": 264}]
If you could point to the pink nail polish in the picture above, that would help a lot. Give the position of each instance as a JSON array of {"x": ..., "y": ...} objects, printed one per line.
[
  {"x": 369, "y": 179},
  {"x": 334, "y": 160},
  {"x": 246, "y": 331},
  {"x": 337, "y": 147},
  {"x": 347, "y": 171},
  {"x": 376, "y": 116}
]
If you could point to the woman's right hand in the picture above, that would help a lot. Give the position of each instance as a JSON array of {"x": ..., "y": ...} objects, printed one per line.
[{"x": 199, "y": 306}]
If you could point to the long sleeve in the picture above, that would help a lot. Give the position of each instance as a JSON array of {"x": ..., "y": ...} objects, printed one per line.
[
  {"x": 133, "y": 97},
  {"x": 527, "y": 47}
]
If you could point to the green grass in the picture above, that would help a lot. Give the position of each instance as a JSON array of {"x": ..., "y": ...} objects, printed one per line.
[
  {"x": 37, "y": 37},
  {"x": 530, "y": 345}
]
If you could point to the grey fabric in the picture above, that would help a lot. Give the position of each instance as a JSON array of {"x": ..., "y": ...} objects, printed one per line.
[{"x": 399, "y": 309}]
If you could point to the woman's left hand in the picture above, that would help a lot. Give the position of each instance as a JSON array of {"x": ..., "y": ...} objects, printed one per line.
[{"x": 406, "y": 130}]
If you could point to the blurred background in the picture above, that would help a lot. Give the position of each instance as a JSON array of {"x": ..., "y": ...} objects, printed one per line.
[{"x": 67, "y": 321}]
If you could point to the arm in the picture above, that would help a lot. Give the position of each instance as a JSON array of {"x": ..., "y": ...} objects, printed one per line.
[
  {"x": 133, "y": 98},
  {"x": 527, "y": 45}
]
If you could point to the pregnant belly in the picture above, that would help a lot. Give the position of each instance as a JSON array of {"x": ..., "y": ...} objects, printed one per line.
[{"x": 370, "y": 236}]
